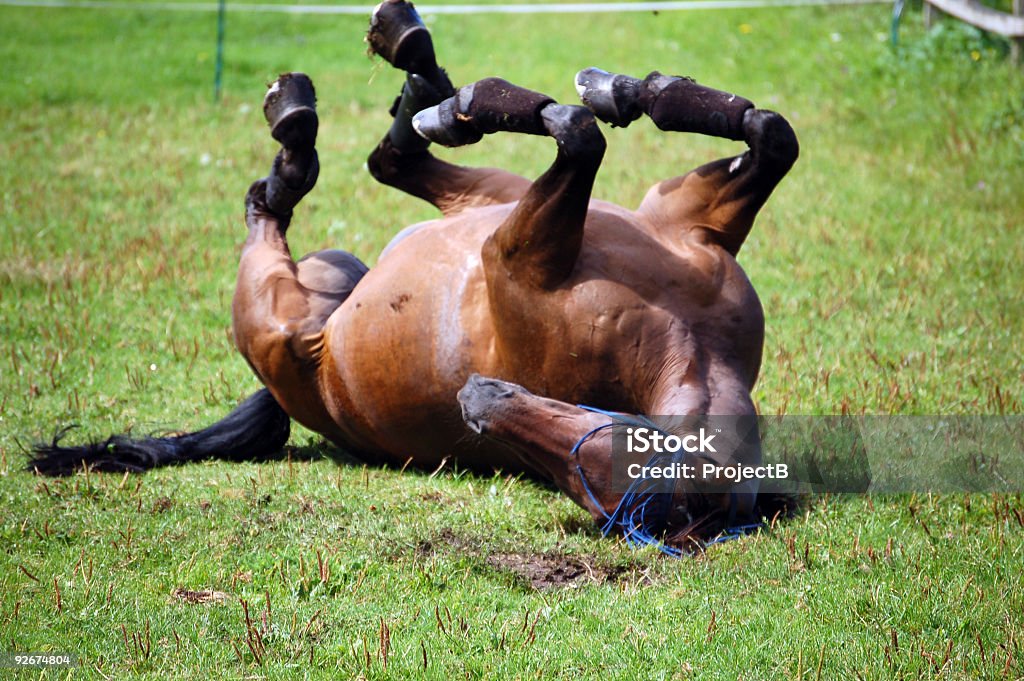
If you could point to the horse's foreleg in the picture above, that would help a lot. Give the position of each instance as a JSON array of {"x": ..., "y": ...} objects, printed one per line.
[
  {"x": 725, "y": 196},
  {"x": 539, "y": 242},
  {"x": 280, "y": 306},
  {"x": 402, "y": 159}
]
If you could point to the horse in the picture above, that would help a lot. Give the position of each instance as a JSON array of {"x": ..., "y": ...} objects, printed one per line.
[{"x": 513, "y": 332}]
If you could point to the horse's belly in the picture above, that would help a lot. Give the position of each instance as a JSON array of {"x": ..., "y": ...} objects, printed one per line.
[{"x": 402, "y": 346}]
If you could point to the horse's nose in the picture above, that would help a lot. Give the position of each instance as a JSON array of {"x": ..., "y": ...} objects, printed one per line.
[
  {"x": 481, "y": 388},
  {"x": 480, "y": 397}
]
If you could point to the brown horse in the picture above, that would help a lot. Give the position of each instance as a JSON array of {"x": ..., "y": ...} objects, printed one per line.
[{"x": 477, "y": 334}]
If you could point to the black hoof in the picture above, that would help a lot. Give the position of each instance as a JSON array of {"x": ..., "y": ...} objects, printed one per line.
[
  {"x": 290, "y": 110},
  {"x": 446, "y": 124},
  {"x": 397, "y": 35},
  {"x": 482, "y": 108},
  {"x": 613, "y": 98}
]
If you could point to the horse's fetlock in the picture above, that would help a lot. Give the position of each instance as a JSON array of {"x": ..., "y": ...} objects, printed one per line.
[
  {"x": 417, "y": 94},
  {"x": 298, "y": 169},
  {"x": 257, "y": 208},
  {"x": 576, "y": 130},
  {"x": 771, "y": 135},
  {"x": 614, "y": 98},
  {"x": 291, "y": 178}
]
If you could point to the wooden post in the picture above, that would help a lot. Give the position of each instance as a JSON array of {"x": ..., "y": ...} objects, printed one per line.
[{"x": 930, "y": 14}]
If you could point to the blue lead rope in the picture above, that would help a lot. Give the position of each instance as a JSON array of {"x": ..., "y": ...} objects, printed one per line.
[{"x": 642, "y": 513}]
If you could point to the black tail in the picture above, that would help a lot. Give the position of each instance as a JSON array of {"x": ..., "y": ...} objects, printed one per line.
[{"x": 257, "y": 428}]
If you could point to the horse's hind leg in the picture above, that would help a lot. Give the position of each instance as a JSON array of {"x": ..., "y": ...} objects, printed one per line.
[
  {"x": 280, "y": 306},
  {"x": 402, "y": 159},
  {"x": 539, "y": 242},
  {"x": 725, "y": 196},
  {"x": 290, "y": 109}
]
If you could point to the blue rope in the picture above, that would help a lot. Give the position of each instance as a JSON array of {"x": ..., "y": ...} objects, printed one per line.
[{"x": 646, "y": 496}]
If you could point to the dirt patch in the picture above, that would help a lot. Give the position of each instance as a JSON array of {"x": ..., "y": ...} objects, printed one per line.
[
  {"x": 552, "y": 571},
  {"x": 197, "y": 597},
  {"x": 539, "y": 571},
  {"x": 446, "y": 540},
  {"x": 162, "y": 504}
]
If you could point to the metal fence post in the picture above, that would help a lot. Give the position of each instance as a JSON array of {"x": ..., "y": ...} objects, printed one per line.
[{"x": 219, "y": 66}]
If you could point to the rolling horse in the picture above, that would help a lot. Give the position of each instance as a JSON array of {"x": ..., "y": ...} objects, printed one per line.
[{"x": 512, "y": 332}]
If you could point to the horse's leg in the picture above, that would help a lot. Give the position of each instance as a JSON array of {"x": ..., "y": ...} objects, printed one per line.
[
  {"x": 402, "y": 159},
  {"x": 724, "y": 196},
  {"x": 280, "y": 306},
  {"x": 572, "y": 447},
  {"x": 539, "y": 242}
]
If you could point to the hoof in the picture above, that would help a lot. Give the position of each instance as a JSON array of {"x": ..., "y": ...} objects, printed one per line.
[
  {"x": 447, "y": 122},
  {"x": 290, "y": 110},
  {"x": 482, "y": 108},
  {"x": 613, "y": 98},
  {"x": 397, "y": 35}
]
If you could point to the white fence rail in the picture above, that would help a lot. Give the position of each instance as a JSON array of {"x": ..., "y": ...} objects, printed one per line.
[{"x": 985, "y": 18}]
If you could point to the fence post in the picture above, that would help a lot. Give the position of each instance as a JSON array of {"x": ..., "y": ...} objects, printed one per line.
[
  {"x": 218, "y": 67},
  {"x": 930, "y": 14}
]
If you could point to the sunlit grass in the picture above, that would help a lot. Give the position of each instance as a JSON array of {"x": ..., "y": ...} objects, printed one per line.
[{"x": 888, "y": 262}]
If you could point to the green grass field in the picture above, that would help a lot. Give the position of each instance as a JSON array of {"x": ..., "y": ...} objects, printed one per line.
[{"x": 889, "y": 264}]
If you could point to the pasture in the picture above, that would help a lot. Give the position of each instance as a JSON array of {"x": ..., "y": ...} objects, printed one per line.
[{"x": 889, "y": 264}]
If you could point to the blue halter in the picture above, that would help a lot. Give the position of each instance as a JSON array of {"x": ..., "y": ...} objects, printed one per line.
[{"x": 642, "y": 513}]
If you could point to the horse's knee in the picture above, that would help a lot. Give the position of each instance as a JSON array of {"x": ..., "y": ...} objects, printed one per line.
[
  {"x": 771, "y": 138},
  {"x": 576, "y": 131}
]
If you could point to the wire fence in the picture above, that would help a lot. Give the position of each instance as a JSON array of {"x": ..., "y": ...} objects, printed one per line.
[{"x": 500, "y": 8}]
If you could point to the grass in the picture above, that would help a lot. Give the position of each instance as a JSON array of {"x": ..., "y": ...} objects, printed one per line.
[{"x": 888, "y": 263}]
